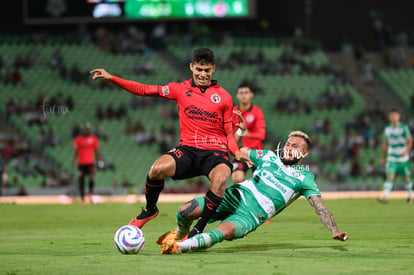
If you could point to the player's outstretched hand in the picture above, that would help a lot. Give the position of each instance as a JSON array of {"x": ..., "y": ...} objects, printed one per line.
[
  {"x": 101, "y": 73},
  {"x": 343, "y": 236},
  {"x": 241, "y": 155},
  {"x": 241, "y": 122}
]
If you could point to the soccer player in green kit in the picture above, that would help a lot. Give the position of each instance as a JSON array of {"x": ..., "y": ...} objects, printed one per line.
[
  {"x": 278, "y": 181},
  {"x": 396, "y": 146}
]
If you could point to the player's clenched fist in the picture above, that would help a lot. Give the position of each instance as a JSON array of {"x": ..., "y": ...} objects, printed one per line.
[{"x": 101, "y": 73}]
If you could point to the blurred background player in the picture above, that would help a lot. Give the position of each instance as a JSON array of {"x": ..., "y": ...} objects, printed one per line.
[
  {"x": 85, "y": 153},
  {"x": 256, "y": 128},
  {"x": 396, "y": 147},
  {"x": 206, "y": 135},
  {"x": 276, "y": 183}
]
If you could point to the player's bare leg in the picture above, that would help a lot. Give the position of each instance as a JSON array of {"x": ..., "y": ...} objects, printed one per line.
[
  {"x": 218, "y": 177},
  {"x": 238, "y": 176},
  {"x": 162, "y": 168}
]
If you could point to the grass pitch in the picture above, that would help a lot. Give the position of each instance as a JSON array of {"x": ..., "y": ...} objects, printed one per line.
[{"x": 72, "y": 239}]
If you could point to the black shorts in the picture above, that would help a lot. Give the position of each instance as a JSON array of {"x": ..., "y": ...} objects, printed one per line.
[
  {"x": 241, "y": 166},
  {"x": 86, "y": 169},
  {"x": 192, "y": 162}
]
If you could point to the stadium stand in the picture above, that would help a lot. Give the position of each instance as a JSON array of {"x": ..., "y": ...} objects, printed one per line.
[{"x": 55, "y": 94}]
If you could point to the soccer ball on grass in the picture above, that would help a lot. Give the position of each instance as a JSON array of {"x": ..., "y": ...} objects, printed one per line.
[{"x": 129, "y": 239}]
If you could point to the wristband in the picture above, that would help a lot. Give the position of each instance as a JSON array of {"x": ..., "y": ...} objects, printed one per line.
[{"x": 241, "y": 133}]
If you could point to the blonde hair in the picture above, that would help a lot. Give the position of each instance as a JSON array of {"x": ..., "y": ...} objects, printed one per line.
[{"x": 301, "y": 134}]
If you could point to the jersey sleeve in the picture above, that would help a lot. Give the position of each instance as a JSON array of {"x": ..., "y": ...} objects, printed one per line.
[
  {"x": 309, "y": 187},
  {"x": 137, "y": 88},
  {"x": 256, "y": 156},
  {"x": 259, "y": 131},
  {"x": 228, "y": 110},
  {"x": 96, "y": 143},
  {"x": 171, "y": 90}
]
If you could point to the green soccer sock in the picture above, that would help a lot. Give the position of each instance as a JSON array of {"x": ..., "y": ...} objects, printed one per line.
[{"x": 202, "y": 241}]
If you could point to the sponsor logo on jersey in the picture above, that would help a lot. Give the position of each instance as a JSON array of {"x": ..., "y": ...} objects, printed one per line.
[
  {"x": 215, "y": 98},
  {"x": 165, "y": 90},
  {"x": 189, "y": 92},
  {"x": 250, "y": 118},
  {"x": 193, "y": 112}
]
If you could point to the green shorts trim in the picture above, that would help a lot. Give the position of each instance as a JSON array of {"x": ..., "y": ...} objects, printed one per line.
[{"x": 400, "y": 168}]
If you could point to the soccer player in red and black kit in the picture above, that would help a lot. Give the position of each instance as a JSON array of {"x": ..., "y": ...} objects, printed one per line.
[
  {"x": 206, "y": 135},
  {"x": 85, "y": 152},
  {"x": 256, "y": 128}
]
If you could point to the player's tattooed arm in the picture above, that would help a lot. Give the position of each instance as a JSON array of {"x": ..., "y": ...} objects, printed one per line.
[{"x": 323, "y": 212}]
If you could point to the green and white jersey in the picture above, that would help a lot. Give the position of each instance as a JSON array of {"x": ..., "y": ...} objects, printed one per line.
[
  {"x": 396, "y": 137},
  {"x": 275, "y": 185}
]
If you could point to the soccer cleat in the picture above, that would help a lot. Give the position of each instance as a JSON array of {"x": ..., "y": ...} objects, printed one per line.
[
  {"x": 383, "y": 201},
  {"x": 409, "y": 200},
  {"x": 193, "y": 232},
  {"x": 170, "y": 247},
  {"x": 143, "y": 218},
  {"x": 170, "y": 235}
]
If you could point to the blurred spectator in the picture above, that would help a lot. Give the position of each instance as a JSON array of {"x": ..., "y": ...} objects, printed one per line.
[
  {"x": 343, "y": 171},
  {"x": 148, "y": 67},
  {"x": 31, "y": 57},
  {"x": 129, "y": 128},
  {"x": 121, "y": 112},
  {"x": 23, "y": 166},
  {"x": 63, "y": 72},
  {"x": 126, "y": 183},
  {"x": 110, "y": 112},
  {"x": 52, "y": 138},
  {"x": 8, "y": 150},
  {"x": 42, "y": 166},
  {"x": 13, "y": 77},
  {"x": 355, "y": 168},
  {"x": 99, "y": 113},
  {"x": 99, "y": 133},
  {"x": 158, "y": 36},
  {"x": 137, "y": 66},
  {"x": 21, "y": 191},
  {"x": 76, "y": 75},
  {"x": 371, "y": 169},
  {"x": 51, "y": 180},
  {"x": 19, "y": 61},
  {"x": 56, "y": 59}
]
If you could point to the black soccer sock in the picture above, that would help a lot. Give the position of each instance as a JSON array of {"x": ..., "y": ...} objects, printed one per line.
[
  {"x": 211, "y": 203},
  {"x": 91, "y": 185},
  {"x": 81, "y": 182},
  {"x": 153, "y": 189}
]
